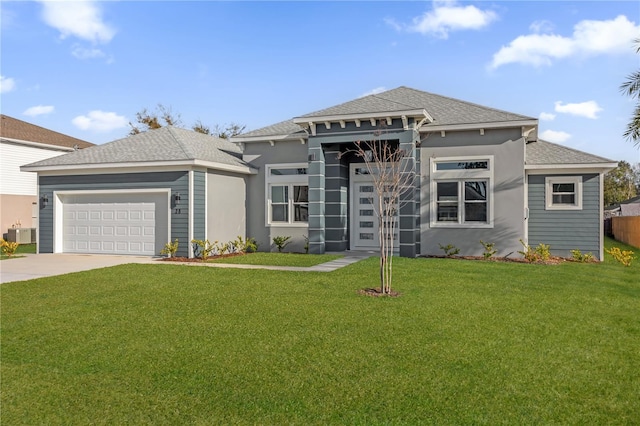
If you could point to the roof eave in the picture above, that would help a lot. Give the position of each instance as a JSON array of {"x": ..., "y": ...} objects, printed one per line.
[
  {"x": 267, "y": 138},
  {"x": 248, "y": 170},
  {"x": 38, "y": 144},
  {"x": 525, "y": 124},
  {"x": 305, "y": 120},
  {"x": 573, "y": 167}
]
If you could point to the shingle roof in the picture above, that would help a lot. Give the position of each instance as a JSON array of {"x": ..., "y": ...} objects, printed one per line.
[
  {"x": 287, "y": 127},
  {"x": 13, "y": 128},
  {"x": 546, "y": 153},
  {"x": 444, "y": 110},
  {"x": 165, "y": 144}
]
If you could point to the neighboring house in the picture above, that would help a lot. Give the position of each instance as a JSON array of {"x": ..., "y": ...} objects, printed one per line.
[
  {"x": 22, "y": 143},
  {"x": 133, "y": 195},
  {"x": 630, "y": 207},
  {"x": 479, "y": 173}
]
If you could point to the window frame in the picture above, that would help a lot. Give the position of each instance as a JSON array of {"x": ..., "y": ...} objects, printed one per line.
[
  {"x": 460, "y": 176},
  {"x": 289, "y": 181},
  {"x": 549, "y": 181}
]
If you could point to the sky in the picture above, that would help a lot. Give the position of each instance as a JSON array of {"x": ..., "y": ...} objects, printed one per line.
[{"x": 86, "y": 68}]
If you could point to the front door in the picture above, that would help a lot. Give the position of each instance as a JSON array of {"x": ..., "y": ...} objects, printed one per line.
[{"x": 365, "y": 222}]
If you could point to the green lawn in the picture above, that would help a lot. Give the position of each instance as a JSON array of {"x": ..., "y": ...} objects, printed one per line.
[
  {"x": 278, "y": 259},
  {"x": 22, "y": 249},
  {"x": 467, "y": 342}
]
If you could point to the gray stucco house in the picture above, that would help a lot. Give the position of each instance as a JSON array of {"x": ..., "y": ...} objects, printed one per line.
[{"x": 479, "y": 174}]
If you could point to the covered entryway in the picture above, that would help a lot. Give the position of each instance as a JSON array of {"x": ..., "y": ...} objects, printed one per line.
[
  {"x": 365, "y": 224},
  {"x": 113, "y": 223}
]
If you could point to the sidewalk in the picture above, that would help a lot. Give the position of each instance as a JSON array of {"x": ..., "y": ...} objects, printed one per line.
[{"x": 32, "y": 266}]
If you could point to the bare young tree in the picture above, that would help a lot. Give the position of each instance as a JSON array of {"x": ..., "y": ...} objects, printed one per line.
[{"x": 391, "y": 171}]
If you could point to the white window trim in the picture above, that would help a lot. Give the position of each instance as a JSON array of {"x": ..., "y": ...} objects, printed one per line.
[
  {"x": 549, "y": 181},
  {"x": 461, "y": 176},
  {"x": 289, "y": 180}
]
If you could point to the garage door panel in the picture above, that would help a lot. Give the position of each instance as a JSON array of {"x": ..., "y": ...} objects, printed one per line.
[{"x": 113, "y": 228}]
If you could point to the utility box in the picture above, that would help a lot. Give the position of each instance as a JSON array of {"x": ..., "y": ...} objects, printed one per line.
[{"x": 21, "y": 235}]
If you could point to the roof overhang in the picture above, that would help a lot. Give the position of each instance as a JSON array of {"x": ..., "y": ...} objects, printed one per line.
[
  {"x": 140, "y": 167},
  {"x": 528, "y": 127},
  {"x": 292, "y": 137},
  {"x": 539, "y": 169},
  {"x": 38, "y": 144},
  {"x": 311, "y": 122}
]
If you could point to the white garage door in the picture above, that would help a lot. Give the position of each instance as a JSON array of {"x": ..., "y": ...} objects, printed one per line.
[{"x": 109, "y": 228}]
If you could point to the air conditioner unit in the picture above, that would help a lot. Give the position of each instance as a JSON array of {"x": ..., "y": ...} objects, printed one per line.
[{"x": 20, "y": 235}]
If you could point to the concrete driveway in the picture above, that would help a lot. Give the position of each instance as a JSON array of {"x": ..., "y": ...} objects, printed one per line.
[{"x": 46, "y": 265}]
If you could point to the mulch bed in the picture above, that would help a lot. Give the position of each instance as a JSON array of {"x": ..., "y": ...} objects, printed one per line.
[
  {"x": 199, "y": 259},
  {"x": 553, "y": 260}
]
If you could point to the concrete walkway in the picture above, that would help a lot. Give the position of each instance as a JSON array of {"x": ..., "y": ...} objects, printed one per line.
[{"x": 33, "y": 266}]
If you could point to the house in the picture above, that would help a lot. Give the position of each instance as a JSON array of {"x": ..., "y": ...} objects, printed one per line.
[
  {"x": 479, "y": 174},
  {"x": 630, "y": 207},
  {"x": 22, "y": 143},
  {"x": 133, "y": 195}
]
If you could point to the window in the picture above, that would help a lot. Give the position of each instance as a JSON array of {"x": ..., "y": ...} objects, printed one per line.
[
  {"x": 461, "y": 192},
  {"x": 287, "y": 194},
  {"x": 563, "y": 193}
]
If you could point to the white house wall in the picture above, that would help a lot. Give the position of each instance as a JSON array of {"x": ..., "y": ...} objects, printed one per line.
[{"x": 12, "y": 180}]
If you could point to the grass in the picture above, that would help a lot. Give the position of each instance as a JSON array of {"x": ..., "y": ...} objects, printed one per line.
[
  {"x": 22, "y": 249},
  {"x": 468, "y": 342},
  {"x": 278, "y": 259}
]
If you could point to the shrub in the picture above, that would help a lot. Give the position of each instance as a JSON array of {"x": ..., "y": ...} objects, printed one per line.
[
  {"x": 8, "y": 247},
  {"x": 489, "y": 250},
  {"x": 625, "y": 257},
  {"x": 170, "y": 248},
  {"x": 281, "y": 242},
  {"x": 306, "y": 244},
  {"x": 543, "y": 252},
  {"x": 577, "y": 256},
  {"x": 449, "y": 249},
  {"x": 245, "y": 246},
  {"x": 540, "y": 253},
  {"x": 203, "y": 248}
]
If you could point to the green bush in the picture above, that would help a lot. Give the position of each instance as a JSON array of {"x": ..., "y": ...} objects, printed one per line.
[
  {"x": 170, "y": 248},
  {"x": 281, "y": 242},
  {"x": 449, "y": 249},
  {"x": 489, "y": 250},
  {"x": 577, "y": 256},
  {"x": 203, "y": 248}
]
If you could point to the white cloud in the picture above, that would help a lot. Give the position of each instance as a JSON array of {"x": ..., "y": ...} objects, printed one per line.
[
  {"x": 84, "y": 53},
  {"x": 547, "y": 116},
  {"x": 541, "y": 26},
  {"x": 100, "y": 121},
  {"x": 555, "y": 136},
  {"x": 374, "y": 91},
  {"x": 445, "y": 17},
  {"x": 39, "y": 110},
  {"x": 6, "y": 84},
  {"x": 588, "y": 38},
  {"x": 81, "y": 19},
  {"x": 588, "y": 109}
]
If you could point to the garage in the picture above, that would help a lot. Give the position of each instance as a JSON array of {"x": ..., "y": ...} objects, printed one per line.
[{"x": 114, "y": 223}]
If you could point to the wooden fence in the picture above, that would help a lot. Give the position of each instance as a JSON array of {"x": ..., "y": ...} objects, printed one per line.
[{"x": 626, "y": 229}]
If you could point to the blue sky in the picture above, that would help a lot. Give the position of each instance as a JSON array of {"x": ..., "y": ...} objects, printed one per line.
[{"x": 86, "y": 68}]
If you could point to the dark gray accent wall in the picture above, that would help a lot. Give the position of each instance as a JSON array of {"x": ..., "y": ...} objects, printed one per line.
[
  {"x": 199, "y": 205},
  {"x": 507, "y": 148},
  {"x": 566, "y": 230},
  {"x": 177, "y": 181},
  {"x": 259, "y": 154}
]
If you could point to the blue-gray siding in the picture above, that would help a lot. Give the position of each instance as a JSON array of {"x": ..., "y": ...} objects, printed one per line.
[
  {"x": 565, "y": 230},
  {"x": 199, "y": 205},
  {"x": 178, "y": 182}
]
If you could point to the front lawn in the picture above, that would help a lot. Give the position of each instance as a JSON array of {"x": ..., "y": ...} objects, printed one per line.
[
  {"x": 277, "y": 259},
  {"x": 467, "y": 342}
]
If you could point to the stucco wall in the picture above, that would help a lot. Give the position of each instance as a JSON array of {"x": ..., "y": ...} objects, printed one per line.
[
  {"x": 507, "y": 148},
  {"x": 226, "y": 206},
  {"x": 259, "y": 154}
]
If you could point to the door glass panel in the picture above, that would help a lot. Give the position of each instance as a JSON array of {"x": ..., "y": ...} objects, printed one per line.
[
  {"x": 366, "y": 236},
  {"x": 366, "y": 212},
  {"x": 366, "y": 224},
  {"x": 366, "y": 188}
]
